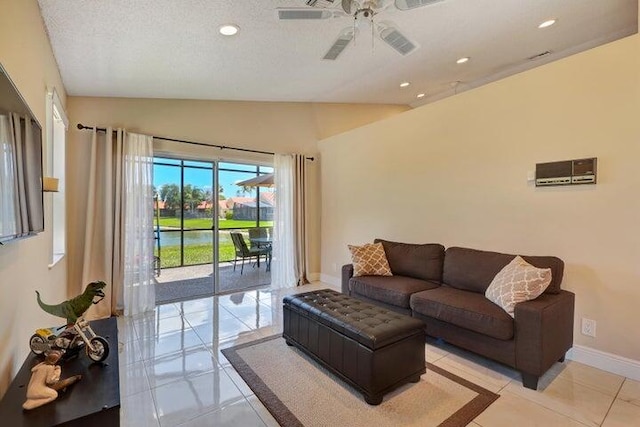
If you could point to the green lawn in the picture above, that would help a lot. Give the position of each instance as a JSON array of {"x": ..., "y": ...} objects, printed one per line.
[
  {"x": 194, "y": 254},
  {"x": 192, "y": 223}
]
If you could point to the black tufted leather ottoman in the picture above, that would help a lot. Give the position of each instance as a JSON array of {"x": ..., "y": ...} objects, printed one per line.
[{"x": 373, "y": 349}]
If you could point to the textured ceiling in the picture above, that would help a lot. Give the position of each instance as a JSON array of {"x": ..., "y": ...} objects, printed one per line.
[{"x": 172, "y": 49}]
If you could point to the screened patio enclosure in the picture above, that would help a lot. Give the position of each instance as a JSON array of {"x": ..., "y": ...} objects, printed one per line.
[{"x": 197, "y": 206}]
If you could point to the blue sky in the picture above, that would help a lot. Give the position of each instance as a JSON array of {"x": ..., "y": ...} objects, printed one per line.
[{"x": 203, "y": 177}]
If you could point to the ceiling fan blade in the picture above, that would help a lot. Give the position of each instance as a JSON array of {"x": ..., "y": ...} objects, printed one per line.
[
  {"x": 413, "y": 4},
  {"x": 341, "y": 43},
  {"x": 396, "y": 40},
  {"x": 294, "y": 13},
  {"x": 320, "y": 3},
  {"x": 347, "y": 6}
]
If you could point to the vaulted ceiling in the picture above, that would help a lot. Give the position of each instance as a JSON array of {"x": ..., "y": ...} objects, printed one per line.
[{"x": 173, "y": 49}]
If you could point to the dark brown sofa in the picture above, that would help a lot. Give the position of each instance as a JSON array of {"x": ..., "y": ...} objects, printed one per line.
[{"x": 446, "y": 290}]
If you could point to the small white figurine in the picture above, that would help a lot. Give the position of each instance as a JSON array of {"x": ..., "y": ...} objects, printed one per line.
[{"x": 45, "y": 381}]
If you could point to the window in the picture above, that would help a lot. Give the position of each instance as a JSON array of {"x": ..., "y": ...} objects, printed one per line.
[{"x": 57, "y": 124}]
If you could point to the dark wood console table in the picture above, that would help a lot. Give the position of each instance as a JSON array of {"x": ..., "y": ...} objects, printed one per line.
[{"x": 93, "y": 401}]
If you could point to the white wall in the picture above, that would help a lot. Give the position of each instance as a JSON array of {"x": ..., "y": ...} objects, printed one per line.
[
  {"x": 455, "y": 172},
  {"x": 26, "y": 55}
]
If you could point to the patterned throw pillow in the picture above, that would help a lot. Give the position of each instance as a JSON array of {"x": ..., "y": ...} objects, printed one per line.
[
  {"x": 518, "y": 281},
  {"x": 369, "y": 260}
]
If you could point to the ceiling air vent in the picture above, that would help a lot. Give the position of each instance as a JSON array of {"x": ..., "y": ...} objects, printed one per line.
[
  {"x": 398, "y": 41},
  {"x": 303, "y": 13},
  {"x": 540, "y": 55},
  {"x": 412, "y": 4},
  {"x": 339, "y": 46}
]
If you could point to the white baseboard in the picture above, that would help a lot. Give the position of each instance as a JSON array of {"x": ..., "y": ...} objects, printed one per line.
[
  {"x": 606, "y": 361},
  {"x": 313, "y": 277},
  {"x": 331, "y": 280}
]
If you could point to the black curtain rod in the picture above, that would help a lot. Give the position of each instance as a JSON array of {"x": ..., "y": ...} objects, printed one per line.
[{"x": 222, "y": 147}]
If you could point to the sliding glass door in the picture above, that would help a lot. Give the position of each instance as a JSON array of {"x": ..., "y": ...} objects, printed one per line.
[
  {"x": 246, "y": 211},
  {"x": 198, "y": 207}
]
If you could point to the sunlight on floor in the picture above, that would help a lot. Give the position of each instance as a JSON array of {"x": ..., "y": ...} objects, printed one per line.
[{"x": 172, "y": 371}]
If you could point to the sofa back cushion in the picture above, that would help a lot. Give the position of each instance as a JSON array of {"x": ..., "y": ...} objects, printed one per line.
[
  {"x": 473, "y": 270},
  {"x": 420, "y": 261}
]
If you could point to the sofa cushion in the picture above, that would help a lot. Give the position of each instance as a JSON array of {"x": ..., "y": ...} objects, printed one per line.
[
  {"x": 517, "y": 282},
  {"x": 420, "y": 261},
  {"x": 369, "y": 259},
  {"x": 393, "y": 290},
  {"x": 468, "y": 310},
  {"x": 473, "y": 270}
]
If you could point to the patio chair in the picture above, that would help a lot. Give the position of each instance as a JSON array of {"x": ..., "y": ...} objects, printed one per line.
[{"x": 242, "y": 251}]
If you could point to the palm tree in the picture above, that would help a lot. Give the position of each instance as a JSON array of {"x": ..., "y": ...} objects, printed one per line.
[
  {"x": 170, "y": 195},
  {"x": 193, "y": 196}
]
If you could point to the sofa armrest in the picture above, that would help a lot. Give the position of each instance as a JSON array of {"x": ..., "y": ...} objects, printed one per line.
[
  {"x": 347, "y": 273},
  {"x": 543, "y": 331}
]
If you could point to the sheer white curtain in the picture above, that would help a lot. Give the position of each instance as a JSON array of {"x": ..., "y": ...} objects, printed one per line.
[
  {"x": 283, "y": 269},
  {"x": 289, "y": 243},
  {"x": 118, "y": 247},
  {"x": 139, "y": 287}
]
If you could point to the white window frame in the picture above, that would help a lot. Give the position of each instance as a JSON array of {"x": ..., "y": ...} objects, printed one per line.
[{"x": 57, "y": 125}]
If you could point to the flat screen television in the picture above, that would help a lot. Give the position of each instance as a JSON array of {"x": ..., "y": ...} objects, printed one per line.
[{"x": 21, "y": 198}]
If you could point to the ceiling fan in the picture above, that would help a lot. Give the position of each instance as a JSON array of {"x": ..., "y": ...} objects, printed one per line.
[{"x": 359, "y": 11}]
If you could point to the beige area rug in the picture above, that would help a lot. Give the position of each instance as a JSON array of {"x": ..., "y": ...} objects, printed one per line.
[{"x": 299, "y": 392}]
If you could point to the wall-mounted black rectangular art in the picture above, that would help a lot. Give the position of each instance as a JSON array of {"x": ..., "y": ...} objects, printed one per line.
[{"x": 567, "y": 172}]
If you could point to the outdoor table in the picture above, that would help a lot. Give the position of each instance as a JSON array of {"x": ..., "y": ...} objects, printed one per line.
[{"x": 263, "y": 242}]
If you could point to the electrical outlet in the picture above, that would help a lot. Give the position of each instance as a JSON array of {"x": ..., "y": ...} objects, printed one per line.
[{"x": 588, "y": 327}]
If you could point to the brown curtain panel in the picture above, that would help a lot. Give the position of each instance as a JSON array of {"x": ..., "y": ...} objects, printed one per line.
[
  {"x": 300, "y": 217},
  {"x": 103, "y": 237}
]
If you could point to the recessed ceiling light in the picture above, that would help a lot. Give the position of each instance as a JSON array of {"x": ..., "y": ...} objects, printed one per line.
[
  {"x": 229, "y": 29},
  {"x": 404, "y": 84},
  {"x": 420, "y": 95},
  {"x": 548, "y": 23},
  {"x": 462, "y": 60}
]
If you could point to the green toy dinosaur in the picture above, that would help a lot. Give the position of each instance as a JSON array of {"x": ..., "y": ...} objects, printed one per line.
[{"x": 75, "y": 307}]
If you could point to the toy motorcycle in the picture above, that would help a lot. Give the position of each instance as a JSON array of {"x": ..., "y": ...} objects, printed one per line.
[{"x": 70, "y": 341}]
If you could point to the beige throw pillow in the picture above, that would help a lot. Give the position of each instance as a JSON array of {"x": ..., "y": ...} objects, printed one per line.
[
  {"x": 369, "y": 260},
  {"x": 518, "y": 281}
]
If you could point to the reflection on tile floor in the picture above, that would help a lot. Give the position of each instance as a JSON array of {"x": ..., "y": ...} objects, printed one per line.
[
  {"x": 172, "y": 372},
  {"x": 197, "y": 280}
]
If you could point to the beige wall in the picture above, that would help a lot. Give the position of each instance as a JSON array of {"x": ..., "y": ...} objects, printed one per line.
[
  {"x": 455, "y": 172},
  {"x": 26, "y": 55},
  {"x": 267, "y": 126}
]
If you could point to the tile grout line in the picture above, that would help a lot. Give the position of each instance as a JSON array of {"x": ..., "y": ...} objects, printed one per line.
[
  {"x": 558, "y": 412},
  {"x": 613, "y": 401}
]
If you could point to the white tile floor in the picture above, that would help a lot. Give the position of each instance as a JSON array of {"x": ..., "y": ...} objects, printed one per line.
[{"x": 172, "y": 372}]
